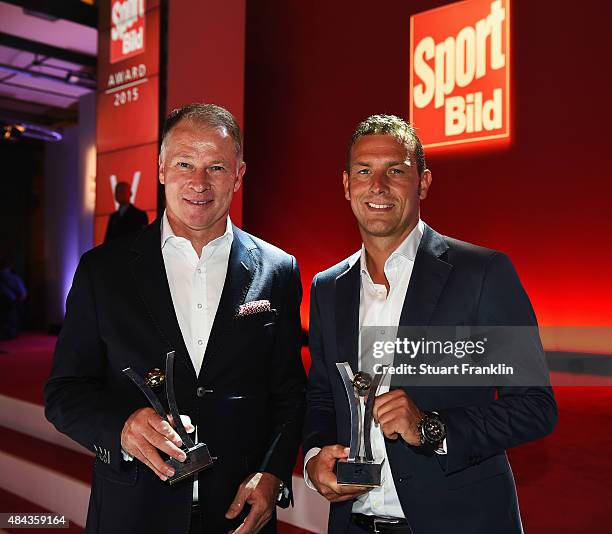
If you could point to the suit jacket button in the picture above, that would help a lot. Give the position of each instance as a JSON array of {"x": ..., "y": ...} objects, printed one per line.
[{"x": 200, "y": 392}]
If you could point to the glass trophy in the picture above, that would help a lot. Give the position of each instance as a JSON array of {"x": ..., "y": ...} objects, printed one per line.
[
  {"x": 360, "y": 468},
  {"x": 198, "y": 456}
]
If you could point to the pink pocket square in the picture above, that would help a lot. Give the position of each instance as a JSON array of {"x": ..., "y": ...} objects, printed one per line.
[{"x": 251, "y": 308}]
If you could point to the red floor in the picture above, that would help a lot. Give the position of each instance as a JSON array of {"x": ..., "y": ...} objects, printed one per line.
[{"x": 563, "y": 481}]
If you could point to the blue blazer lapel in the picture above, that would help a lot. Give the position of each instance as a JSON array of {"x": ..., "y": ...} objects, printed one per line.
[
  {"x": 241, "y": 270},
  {"x": 149, "y": 274},
  {"x": 428, "y": 278},
  {"x": 348, "y": 288}
]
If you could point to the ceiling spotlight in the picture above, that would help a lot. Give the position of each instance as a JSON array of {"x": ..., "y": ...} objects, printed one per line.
[
  {"x": 11, "y": 132},
  {"x": 82, "y": 79},
  {"x": 14, "y": 132}
]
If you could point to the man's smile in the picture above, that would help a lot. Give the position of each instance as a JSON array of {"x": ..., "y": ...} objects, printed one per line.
[
  {"x": 379, "y": 207},
  {"x": 197, "y": 202}
]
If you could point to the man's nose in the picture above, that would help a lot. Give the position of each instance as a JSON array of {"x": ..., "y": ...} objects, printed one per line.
[
  {"x": 379, "y": 183},
  {"x": 200, "y": 181}
]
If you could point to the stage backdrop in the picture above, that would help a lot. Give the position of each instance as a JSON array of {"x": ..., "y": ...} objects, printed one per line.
[
  {"x": 127, "y": 106},
  {"x": 315, "y": 69},
  {"x": 205, "y": 63}
]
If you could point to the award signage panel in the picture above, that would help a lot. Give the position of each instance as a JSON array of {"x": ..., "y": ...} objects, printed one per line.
[
  {"x": 127, "y": 129},
  {"x": 460, "y": 72},
  {"x": 128, "y": 115},
  {"x": 138, "y": 167},
  {"x": 128, "y": 96}
]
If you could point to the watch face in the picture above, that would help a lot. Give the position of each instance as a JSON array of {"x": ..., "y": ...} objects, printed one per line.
[
  {"x": 433, "y": 430},
  {"x": 362, "y": 382}
]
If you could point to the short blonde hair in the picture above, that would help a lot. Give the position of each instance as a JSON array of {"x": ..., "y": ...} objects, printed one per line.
[{"x": 208, "y": 114}]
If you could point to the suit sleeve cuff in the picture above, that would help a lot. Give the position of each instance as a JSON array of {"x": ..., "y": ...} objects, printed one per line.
[
  {"x": 309, "y": 455},
  {"x": 442, "y": 450}
]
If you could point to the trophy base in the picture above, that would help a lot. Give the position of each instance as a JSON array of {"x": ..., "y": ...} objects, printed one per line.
[
  {"x": 198, "y": 458},
  {"x": 358, "y": 473}
]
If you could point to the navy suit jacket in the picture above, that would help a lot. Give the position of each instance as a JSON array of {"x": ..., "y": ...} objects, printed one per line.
[
  {"x": 471, "y": 490},
  {"x": 247, "y": 401}
]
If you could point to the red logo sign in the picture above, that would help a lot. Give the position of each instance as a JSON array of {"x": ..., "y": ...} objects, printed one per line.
[
  {"x": 127, "y": 29},
  {"x": 460, "y": 72}
]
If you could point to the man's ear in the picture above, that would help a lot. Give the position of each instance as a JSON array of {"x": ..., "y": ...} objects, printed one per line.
[
  {"x": 424, "y": 183},
  {"x": 162, "y": 177},
  {"x": 239, "y": 176},
  {"x": 345, "y": 183}
]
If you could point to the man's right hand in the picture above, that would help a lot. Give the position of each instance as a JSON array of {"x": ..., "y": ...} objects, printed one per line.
[
  {"x": 144, "y": 433},
  {"x": 320, "y": 469}
]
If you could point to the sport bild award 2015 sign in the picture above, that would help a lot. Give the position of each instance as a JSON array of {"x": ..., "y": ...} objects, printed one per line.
[
  {"x": 127, "y": 125},
  {"x": 460, "y": 72}
]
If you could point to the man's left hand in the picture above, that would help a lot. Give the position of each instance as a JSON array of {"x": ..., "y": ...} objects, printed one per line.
[
  {"x": 260, "y": 491},
  {"x": 398, "y": 415}
]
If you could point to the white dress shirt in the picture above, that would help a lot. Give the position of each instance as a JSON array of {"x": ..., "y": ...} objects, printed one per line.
[
  {"x": 377, "y": 307},
  {"x": 196, "y": 282}
]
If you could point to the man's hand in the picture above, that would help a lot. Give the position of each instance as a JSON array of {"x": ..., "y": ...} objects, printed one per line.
[
  {"x": 320, "y": 469},
  {"x": 398, "y": 415},
  {"x": 260, "y": 491},
  {"x": 145, "y": 432}
]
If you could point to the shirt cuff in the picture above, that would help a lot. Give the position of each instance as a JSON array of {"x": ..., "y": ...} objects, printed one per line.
[
  {"x": 442, "y": 449},
  {"x": 127, "y": 457},
  {"x": 309, "y": 455}
]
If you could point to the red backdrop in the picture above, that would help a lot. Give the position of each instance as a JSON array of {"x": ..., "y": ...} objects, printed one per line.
[
  {"x": 315, "y": 69},
  {"x": 206, "y": 60}
]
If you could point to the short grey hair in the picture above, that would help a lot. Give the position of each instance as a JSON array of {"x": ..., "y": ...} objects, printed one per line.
[
  {"x": 207, "y": 114},
  {"x": 392, "y": 125}
]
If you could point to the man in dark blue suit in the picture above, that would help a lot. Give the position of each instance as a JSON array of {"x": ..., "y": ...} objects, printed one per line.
[
  {"x": 227, "y": 304},
  {"x": 445, "y": 468}
]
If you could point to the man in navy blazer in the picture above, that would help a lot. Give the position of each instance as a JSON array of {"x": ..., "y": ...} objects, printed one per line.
[
  {"x": 228, "y": 304},
  {"x": 446, "y": 468}
]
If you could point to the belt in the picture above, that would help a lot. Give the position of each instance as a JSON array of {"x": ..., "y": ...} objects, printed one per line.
[{"x": 381, "y": 525}]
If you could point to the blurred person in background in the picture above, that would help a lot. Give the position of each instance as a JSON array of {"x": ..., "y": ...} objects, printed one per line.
[
  {"x": 12, "y": 294},
  {"x": 128, "y": 218}
]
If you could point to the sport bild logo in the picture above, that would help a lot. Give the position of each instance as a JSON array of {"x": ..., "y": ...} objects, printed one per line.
[
  {"x": 127, "y": 29},
  {"x": 460, "y": 72}
]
